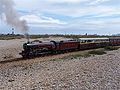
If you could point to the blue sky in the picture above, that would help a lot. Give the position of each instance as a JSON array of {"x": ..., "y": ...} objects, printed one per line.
[{"x": 68, "y": 16}]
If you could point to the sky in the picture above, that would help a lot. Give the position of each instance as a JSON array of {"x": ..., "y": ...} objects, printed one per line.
[{"x": 68, "y": 16}]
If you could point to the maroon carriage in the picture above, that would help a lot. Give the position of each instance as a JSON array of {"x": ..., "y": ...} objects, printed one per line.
[
  {"x": 69, "y": 45},
  {"x": 115, "y": 41}
]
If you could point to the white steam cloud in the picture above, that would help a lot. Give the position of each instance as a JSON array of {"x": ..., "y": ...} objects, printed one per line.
[{"x": 11, "y": 16}]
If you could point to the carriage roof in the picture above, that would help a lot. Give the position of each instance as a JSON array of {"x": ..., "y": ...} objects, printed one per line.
[{"x": 93, "y": 39}]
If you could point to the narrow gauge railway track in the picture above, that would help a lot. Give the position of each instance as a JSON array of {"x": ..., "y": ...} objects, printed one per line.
[
  {"x": 11, "y": 60},
  {"x": 46, "y": 57},
  {"x": 21, "y": 59}
]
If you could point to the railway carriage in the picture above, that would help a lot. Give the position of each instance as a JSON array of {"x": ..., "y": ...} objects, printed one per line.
[
  {"x": 68, "y": 45},
  {"x": 91, "y": 43},
  {"x": 114, "y": 41}
]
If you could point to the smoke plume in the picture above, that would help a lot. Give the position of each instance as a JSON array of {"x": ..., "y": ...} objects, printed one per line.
[{"x": 11, "y": 16}]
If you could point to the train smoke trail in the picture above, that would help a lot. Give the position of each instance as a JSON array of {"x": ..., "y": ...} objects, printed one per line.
[{"x": 11, "y": 16}]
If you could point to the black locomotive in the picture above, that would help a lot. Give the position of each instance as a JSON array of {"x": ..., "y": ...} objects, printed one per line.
[{"x": 35, "y": 48}]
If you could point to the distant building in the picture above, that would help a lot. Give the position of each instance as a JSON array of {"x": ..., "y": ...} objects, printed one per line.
[
  {"x": 95, "y": 34},
  {"x": 86, "y": 34},
  {"x": 13, "y": 31}
]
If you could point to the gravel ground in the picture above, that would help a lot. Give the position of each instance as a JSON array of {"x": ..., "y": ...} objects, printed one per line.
[{"x": 92, "y": 73}]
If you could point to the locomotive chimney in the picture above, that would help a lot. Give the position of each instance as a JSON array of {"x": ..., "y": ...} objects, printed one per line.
[{"x": 27, "y": 37}]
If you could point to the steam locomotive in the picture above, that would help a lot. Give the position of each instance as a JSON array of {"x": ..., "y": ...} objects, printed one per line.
[{"x": 37, "y": 48}]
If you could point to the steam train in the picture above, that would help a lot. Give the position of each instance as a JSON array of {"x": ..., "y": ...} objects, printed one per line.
[{"x": 37, "y": 48}]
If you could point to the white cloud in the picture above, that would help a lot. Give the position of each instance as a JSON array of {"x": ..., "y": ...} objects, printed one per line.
[
  {"x": 67, "y": 1},
  {"x": 97, "y": 2},
  {"x": 77, "y": 10},
  {"x": 109, "y": 12},
  {"x": 43, "y": 21}
]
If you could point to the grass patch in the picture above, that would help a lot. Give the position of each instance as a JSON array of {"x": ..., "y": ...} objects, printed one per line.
[
  {"x": 77, "y": 56},
  {"x": 97, "y": 52},
  {"x": 70, "y": 57},
  {"x": 39, "y": 36},
  {"x": 85, "y": 55},
  {"x": 56, "y": 59},
  {"x": 110, "y": 48}
]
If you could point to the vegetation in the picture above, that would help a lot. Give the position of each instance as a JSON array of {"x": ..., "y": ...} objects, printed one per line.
[
  {"x": 75, "y": 56},
  {"x": 39, "y": 36},
  {"x": 18, "y": 36},
  {"x": 80, "y": 55},
  {"x": 97, "y": 52},
  {"x": 68, "y": 36},
  {"x": 10, "y": 36},
  {"x": 85, "y": 55},
  {"x": 109, "y": 48},
  {"x": 56, "y": 59}
]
